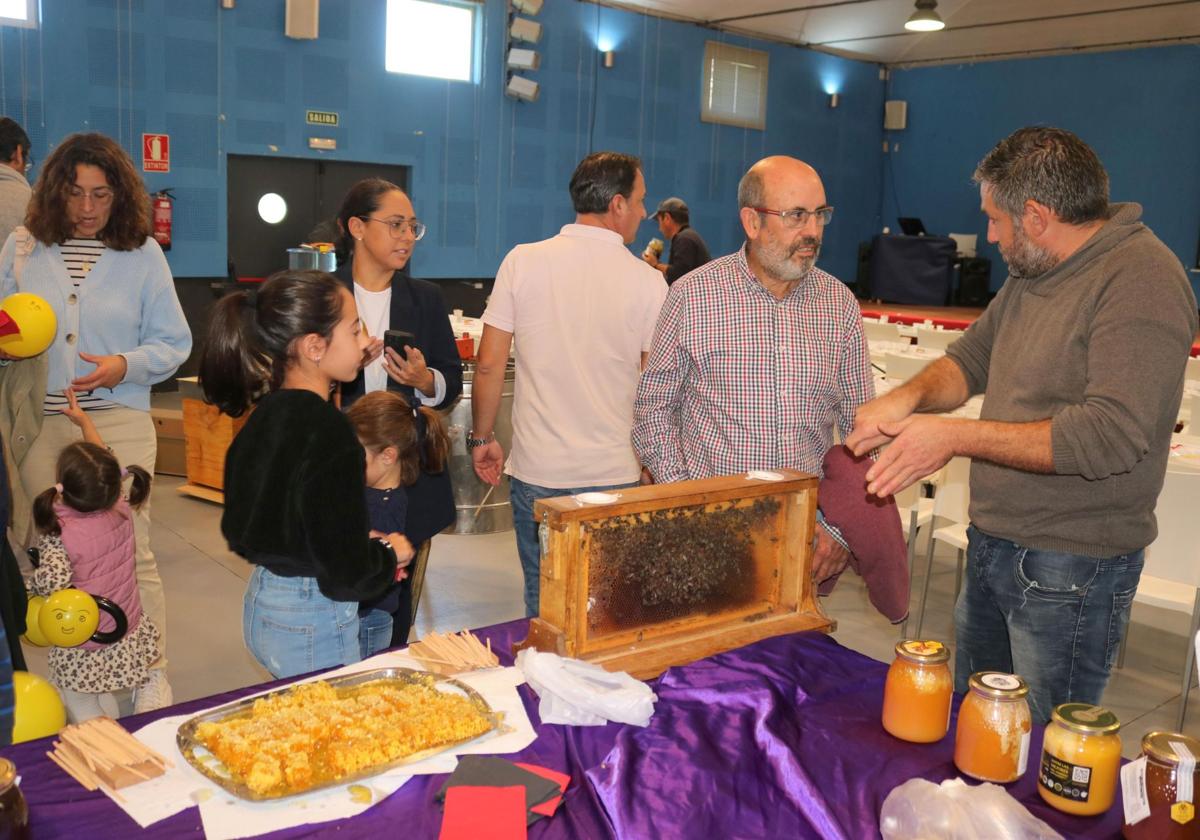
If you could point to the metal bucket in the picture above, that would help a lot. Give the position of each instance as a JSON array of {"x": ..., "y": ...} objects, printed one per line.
[
  {"x": 469, "y": 492},
  {"x": 304, "y": 259}
]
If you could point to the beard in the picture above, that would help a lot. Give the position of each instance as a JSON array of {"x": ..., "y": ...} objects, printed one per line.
[
  {"x": 779, "y": 259},
  {"x": 1026, "y": 260}
]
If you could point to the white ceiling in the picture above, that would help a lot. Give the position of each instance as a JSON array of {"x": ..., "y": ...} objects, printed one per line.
[{"x": 873, "y": 30}]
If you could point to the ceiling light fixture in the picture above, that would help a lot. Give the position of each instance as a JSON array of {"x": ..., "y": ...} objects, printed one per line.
[{"x": 925, "y": 18}]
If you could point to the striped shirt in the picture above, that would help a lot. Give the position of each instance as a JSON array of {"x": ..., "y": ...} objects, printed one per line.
[
  {"x": 739, "y": 380},
  {"x": 78, "y": 255}
]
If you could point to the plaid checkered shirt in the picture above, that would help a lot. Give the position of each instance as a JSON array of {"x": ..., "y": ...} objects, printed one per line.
[{"x": 739, "y": 380}]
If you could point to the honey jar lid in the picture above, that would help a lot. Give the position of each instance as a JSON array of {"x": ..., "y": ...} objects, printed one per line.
[
  {"x": 924, "y": 652},
  {"x": 998, "y": 685},
  {"x": 8, "y": 774},
  {"x": 1157, "y": 745},
  {"x": 1086, "y": 718}
]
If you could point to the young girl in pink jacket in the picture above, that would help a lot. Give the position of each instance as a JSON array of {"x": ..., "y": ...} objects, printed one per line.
[{"x": 87, "y": 542}]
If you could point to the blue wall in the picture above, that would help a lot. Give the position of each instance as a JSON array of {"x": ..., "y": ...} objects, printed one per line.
[
  {"x": 1140, "y": 111},
  {"x": 487, "y": 172}
]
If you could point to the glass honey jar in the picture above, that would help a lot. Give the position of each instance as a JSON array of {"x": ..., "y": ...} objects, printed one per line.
[
  {"x": 1172, "y": 812},
  {"x": 992, "y": 740},
  {"x": 1081, "y": 757},
  {"x": 918, "y": 692},
  {"x": 14, "y": 814}
]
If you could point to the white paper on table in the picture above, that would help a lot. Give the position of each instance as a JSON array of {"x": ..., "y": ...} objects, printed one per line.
[{"x": 226, "y": 816}]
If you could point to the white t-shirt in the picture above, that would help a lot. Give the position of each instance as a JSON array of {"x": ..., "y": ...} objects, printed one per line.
[
  {"x": 582, "y": 309},
  {"x": 375, "y": 310}
]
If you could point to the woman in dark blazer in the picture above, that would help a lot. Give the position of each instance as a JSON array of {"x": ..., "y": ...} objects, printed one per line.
[{"x": 378, "y": 230}]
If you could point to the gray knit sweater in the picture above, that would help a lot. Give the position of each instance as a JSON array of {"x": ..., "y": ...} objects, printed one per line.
[{"x": 1099, "y": 344}]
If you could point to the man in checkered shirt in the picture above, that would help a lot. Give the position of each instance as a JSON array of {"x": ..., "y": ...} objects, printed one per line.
[{"x": 757, "y": 354}]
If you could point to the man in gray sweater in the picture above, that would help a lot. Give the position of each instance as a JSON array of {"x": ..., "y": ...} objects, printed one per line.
[{"x": 1082, "y": 357}]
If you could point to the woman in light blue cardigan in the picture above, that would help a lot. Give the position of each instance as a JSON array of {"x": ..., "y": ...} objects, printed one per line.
[{"x": 86, "y": 248}]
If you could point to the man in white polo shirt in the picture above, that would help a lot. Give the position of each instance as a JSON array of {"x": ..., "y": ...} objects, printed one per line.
[{"x": 581, "y": 308}]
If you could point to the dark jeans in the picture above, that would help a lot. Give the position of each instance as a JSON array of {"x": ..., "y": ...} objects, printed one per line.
[
  {"x": 1053, "y": 618},
  {"x": 523, "y": 496}
]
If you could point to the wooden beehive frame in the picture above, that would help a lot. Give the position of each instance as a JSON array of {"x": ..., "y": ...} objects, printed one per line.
[{"x": 562, "y": 624}]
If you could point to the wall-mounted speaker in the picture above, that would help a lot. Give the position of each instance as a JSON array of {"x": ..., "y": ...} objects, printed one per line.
[
  {"x": 895, "y": 115},
  {"x": 301, "y": 19}
]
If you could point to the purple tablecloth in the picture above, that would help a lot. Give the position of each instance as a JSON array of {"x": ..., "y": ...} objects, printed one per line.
[{"x": 777, "y": 739}]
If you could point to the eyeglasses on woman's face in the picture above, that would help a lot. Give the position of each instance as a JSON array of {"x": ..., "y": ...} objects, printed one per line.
[
  {"x": 398, "y": 227},
  {"x": 98, "y": 196}
]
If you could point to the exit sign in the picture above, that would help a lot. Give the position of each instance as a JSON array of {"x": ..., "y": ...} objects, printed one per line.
[{"x": 321, "y": 117}]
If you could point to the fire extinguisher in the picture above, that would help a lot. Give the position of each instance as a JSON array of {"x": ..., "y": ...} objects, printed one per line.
[{"x": 162, "y": 204}]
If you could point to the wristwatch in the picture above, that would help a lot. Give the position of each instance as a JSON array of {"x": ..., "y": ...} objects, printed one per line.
[{"x": 474, "y": 442}]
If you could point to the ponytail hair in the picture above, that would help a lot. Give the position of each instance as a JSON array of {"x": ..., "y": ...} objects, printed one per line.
[
  {"x": 250, "y": 339},
  {"x": 89, "y": 479},
  {"x": 139, "y": 486},
  {"x": 435, "y": 448},
  {"x": 385, "y": 418}
]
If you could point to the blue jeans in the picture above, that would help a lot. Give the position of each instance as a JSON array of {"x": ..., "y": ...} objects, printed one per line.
[
  {"x": 1053, "y": 618},
  {"x": 291, "y": 628},
  {"x": 374, "y": 632},
  {"x": 523, "y": 496}
]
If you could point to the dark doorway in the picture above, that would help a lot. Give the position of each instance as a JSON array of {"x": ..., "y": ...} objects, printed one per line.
[{"x": 312, "y": 192}]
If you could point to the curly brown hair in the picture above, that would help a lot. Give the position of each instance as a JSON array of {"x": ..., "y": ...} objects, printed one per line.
[{"x": 129, "y": 219}]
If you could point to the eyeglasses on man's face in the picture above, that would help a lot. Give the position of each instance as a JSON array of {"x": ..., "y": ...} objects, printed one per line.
[
  {"x": 799, "y": 217},
  {"x": 100, "y": 195},
  {"x": 398, "y": 227}
]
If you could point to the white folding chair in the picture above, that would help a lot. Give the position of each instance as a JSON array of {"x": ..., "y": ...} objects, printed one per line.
[
  {"x": 916, "y": 504},
  {"x": 1171, "y": 577},
  {"x": 901, "y": 367},
  {"x": 1193, "y": 368},
  {"x": 877, "y": 331},
  {"x": 937, "y": 339},
  {"x": 950, "y": 504}
]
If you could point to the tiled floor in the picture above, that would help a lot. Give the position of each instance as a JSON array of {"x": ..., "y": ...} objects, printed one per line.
[{"x": 475, "y": 581}]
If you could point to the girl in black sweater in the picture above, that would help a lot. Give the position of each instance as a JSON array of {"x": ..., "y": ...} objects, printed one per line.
[{"x": 294, "y": 487}]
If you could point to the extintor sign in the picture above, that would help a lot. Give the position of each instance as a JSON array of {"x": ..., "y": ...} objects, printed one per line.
[{"x": 156, "y": 153}]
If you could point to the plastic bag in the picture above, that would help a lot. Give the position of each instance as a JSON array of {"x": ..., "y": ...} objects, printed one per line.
[
  {"x": 955, "y": 810},
  {"x": 581, "y": 694}
]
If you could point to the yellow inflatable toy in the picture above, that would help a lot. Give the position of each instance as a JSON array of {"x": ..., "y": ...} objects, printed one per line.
[
  {"x": 38, "y": 710},
  {"x": 27, "y": 325},
  {"x": 33, "y": 630},
  {"x": 71, "y": 617}
]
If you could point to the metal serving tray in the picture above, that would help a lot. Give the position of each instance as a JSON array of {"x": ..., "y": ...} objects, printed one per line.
[{"x": 210, "y": 766}]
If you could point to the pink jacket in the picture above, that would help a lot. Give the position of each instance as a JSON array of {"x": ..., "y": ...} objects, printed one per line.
[{"x": 100, "y": 546}]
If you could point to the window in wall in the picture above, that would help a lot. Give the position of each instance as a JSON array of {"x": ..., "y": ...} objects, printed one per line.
[
  {"x": 19, "y": 13},
  {"x": 735, "y": 86},
  {"x": 430, "y": 39}
]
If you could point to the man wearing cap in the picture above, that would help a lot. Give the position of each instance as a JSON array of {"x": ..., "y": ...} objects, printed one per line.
[{"x": 688, "y": 250}]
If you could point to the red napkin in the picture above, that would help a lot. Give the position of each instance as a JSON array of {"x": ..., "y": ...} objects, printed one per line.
[
  {"x": 484, "y": 813},
  {"x": 548, "y": 807}
]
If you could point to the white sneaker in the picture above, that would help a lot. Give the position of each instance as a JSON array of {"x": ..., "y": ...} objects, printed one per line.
[{"x": 154, "y": 693}]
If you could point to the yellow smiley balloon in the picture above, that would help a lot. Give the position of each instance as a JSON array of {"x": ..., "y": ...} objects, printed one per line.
[
  {"x": 33, "y": 631},
  {"x": 38, "y": 710},
  {"x": 69, "y": 617},
  {"x": 36, "y": 321}
]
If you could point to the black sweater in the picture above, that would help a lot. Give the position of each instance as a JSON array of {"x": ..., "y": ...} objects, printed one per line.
[{"x": 294, "y": 500}]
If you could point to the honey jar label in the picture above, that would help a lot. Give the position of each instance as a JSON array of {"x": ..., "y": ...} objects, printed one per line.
[
  {"x": 1062, "y": 778},
  {"x": 1133, "y": 791},
  {"x": 1023, "y": 756},
  {"x": 1187, "y": 770},
  {"x": 1183, "y": 812}
]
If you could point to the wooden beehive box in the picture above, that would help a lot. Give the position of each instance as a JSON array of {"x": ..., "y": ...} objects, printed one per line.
[
  {"x": 207, "y": 434},
  {"x": 669, "y": 574}
]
